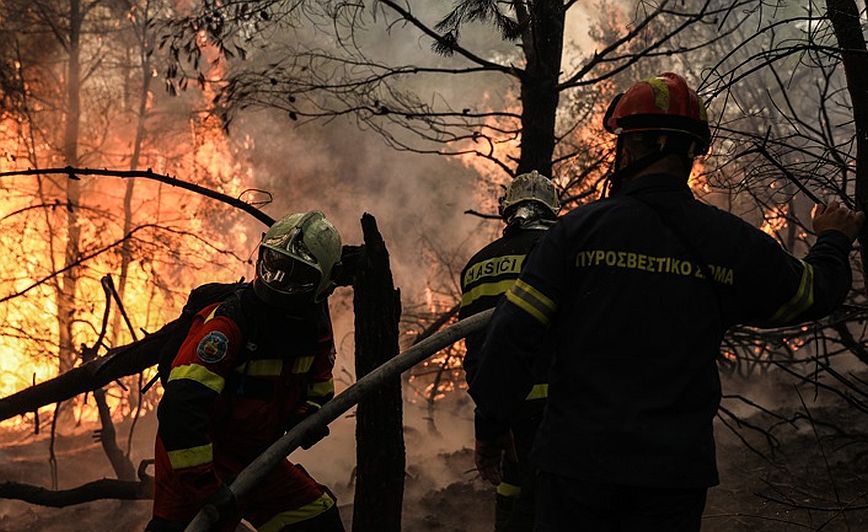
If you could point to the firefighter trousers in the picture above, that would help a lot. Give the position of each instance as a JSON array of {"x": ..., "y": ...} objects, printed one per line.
[
  {"x": 288, "y": 499},
  {"x": 568, "y": 504},
  {"x": 516, "y": 495}
]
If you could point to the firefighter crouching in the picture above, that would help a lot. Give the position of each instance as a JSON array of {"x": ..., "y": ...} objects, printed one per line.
[
  {"x": 250, "y": 368},
  {"x": 636, "y": 291},
  {"x": 529, "y": 207}
]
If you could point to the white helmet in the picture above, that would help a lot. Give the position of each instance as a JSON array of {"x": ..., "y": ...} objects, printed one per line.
[
  {"x": 296, "y": 257},
  {"x": 532, "y": 186}
]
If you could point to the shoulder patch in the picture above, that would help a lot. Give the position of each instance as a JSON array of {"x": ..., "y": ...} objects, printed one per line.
[{"x": 213, "y": 347}]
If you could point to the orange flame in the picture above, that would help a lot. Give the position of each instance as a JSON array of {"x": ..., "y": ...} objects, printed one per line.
[{"x": 188, "y": 247}]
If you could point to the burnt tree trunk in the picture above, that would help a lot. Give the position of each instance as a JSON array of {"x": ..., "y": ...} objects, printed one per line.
[
  {"x": 542, "y": 44},
  {"x": 844, "y": 15},
  {"x": 69, "y": 280},
  {"x": 379, "y": 417}
]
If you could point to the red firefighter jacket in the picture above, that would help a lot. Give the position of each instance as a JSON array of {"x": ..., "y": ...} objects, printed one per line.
[{"x": 244, "y": 375}]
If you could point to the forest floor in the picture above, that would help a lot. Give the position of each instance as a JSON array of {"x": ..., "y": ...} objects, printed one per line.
[{"x": 816, "y": 479}]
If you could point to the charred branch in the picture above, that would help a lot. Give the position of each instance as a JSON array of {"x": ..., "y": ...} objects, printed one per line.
[
  {"x": 437, "y": 324},
  {"x": 845, "y": 18},
  {"x": 116, "y": 363},
  {"x": 73, "y": 173},
  {"x": 92, "y": 491},
  {"x": 107, "y": 435},
  {"x": 483, "y": 215}
]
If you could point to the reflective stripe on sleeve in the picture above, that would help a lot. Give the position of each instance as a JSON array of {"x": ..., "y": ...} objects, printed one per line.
[
  {"x": 532, "y": 301},
  {"x": 302, "y": 365},
  {"x": 308, "y": 511},
  {"x": 539, "y": 391},
  {"x": 321, "y": 389},
  {"x": 505, "y": 489},
  {"x": 200, "y": 374},
  {"x": 801, "y": 301},
  {"x": 190, "y": 457},
  {"x": 486, "y": 289}
]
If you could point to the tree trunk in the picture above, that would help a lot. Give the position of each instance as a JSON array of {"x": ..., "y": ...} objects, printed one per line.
[
  {"x": 69, "y": 280},
  {"x": 138, "y": 142},
  {"x": 379, "y": 418},
  {"x": 542, "y": 43},
  {"x": 844, "y": 16}
]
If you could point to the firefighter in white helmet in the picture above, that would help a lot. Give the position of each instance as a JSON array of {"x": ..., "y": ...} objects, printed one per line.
[
  {"x": 250, "y": 368},
  {"x": 529, "y": 206}
]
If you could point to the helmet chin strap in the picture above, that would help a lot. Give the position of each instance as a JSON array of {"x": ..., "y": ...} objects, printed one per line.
[{"x": 616, "y": 178}]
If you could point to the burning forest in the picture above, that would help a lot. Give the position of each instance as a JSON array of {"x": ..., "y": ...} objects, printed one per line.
[{"x": 150, "y": 147}]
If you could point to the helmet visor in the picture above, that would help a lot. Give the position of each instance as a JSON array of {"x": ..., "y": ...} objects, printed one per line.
[{"x": 285, "y": 274}]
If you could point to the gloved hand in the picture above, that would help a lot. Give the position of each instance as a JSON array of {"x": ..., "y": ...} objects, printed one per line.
[
  {"x": 489, "y": 456},
  {"x": 223, "y": 501}
]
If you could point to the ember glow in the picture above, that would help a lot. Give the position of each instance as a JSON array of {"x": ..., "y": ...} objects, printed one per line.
[
  {"x": 698, "y": 180},
  {"x": 775, "y": 220}
]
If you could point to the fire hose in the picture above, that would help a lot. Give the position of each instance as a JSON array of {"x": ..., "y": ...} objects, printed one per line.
[{"x": 289, "y": 442}]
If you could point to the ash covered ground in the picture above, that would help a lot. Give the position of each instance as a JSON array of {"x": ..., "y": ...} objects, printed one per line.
[{"x": 818, "y": 469}]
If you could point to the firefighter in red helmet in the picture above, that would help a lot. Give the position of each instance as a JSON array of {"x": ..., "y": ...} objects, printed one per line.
[
  {"x": 636, "y": 292},
  {"x": 655, "y": 118},
  {"x": 250, "y": 368}
]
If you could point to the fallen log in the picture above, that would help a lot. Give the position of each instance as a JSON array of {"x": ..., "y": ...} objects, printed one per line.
[
  {"x": 259, "y": 468},
  {"x": 106, "y": 488},
  {"x": 119, "y": 362}
]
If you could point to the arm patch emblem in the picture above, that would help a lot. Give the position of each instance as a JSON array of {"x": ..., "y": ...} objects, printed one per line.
[{"x": 213, "y": 347}]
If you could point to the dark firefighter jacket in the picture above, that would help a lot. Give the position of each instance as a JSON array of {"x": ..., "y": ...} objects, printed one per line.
[
  {"x": 637, "y": 326},
  {"x": 486, "y": 277},
  {"x": 242, "y": 377}
]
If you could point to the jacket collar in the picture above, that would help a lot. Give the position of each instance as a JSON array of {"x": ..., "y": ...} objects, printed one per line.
[{"x": 656, "y": 183}]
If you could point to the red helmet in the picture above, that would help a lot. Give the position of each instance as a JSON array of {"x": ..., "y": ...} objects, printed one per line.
[{"x": 662, "y": 103}]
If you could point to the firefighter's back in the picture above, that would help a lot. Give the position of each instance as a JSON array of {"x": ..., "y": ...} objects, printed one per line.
[{"x": 657, "y": 279}]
